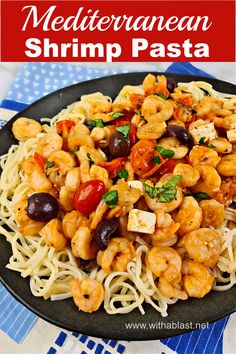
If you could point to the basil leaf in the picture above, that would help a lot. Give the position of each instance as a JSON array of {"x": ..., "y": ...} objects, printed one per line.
[
  {"x": 165, "y": 152},
  {"x": 200, "y": 195},
  {"x": 124, "y": 130},
  {"x": 211, "y": 146},
  {"x": 111, "y": 198},
  {"x": 91, "y": 162},
  {"x": 48, "y": 165},
  {"x": 95, "y": 123},
  {"x": 156, "y": 160},
  {"x": 166, "y": 193},
  {"x": 162, "y": 96},
  {"x": 117, "y": 115},
  {"x": 202, "y": 140},
  {"x": 151, "y": 191},
  {"x": 123, "y": 174}
]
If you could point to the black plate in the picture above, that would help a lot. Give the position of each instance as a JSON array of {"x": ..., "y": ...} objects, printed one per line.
[{"x": 64, "y": 313}]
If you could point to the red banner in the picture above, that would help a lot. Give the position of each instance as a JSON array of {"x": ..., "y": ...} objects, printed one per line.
[{"x": 117, "y": 30}]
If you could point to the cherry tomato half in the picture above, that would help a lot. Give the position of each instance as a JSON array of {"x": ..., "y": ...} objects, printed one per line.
[
  {"x": 63, "y": 127},
  {"x": 142, "y": 156},
  {"x": 167, "y": 167},
  {"x": 113, "y": 166},
  {"x": 88, "y": 195}
]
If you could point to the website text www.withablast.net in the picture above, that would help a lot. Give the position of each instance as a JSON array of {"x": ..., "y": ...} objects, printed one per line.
[{"x": 165, "y": 325}]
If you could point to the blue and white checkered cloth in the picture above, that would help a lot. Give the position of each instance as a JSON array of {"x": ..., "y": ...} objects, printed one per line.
[{"x": 34, "y": 81}]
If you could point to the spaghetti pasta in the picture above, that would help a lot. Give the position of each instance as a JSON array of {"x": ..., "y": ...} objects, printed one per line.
[{"x": 126, "y": 287}]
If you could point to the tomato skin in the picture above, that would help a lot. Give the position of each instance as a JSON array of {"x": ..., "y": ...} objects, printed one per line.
[
  {"x": 40, "y": 161},
  {"x": 63, "y": 127},
  {"x": 167, "y": 167},
  {"x": 88, "y": 195},
  {"x": 113, "y": 166}
]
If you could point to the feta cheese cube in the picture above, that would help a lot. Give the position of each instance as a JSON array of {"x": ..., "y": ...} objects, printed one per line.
[
  {"x": 141, "y": 221},
  {"x": 136, "y": 184},
  {"x": 231, "y": 135},
  {"x": 207, "y": 131}
]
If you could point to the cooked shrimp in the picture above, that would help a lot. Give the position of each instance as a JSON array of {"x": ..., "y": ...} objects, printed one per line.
[
  {"x": 72, "y": 180},
  {"x": 66, "y": 198},
  {"x": 155, "y": 109},
  {"x": 213, "y": 213},
  {"x": 221, "y": 145},
  {"x": 203, "y": 246},
  {"x": 49, "y": 143},
  {"x": 97, "y": 172},
  {"x": 208, "y": 104},
  {"x": 126, "y": 194},
  {"x": 88, "y": 294},
  {"x": 53, "y": 234},
  {"x": 27, "y": 166},
  {"x": 197, "y": 279},
  {"x": 201, "y": 155},
  {"x": 209, "y": 181},
  {"x": 78, "y": 136},
  {"x": 72, "y": 221},
  {"x": 227, "y": 192},
  {"x": 173, "y": 144},
  {"x": 83, "y": 245},
  {"x": 84, "y": 171},
  {"x": 151, "y": 130},
  {"x": 164, "y": 262},
  {"x": 190, "y": 175},
  {"x": 118, "y": 254},
  {"x": 89, "y": 153},
  {"x": 27, "y": 226},
  {"x": 25, "y": 128},
  {"x": 39, "y": 181},
  {"x": 165, "y": 226},
  {"x": 62, "y": 162},
  {"x": 189, "y": 215},
  {"x": 227, "y": 166},
  {"x": 169, "y": 241},
  {"x": 172, "y": 289},
  {"x": 149, "y": 83},
  {"x": 153, "y": 203}
]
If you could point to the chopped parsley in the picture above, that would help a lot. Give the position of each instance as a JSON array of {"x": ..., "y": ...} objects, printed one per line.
[
  {"x": 200, "y": 195},
  {"x": 123, "y": 174},
  {"x": 75, "y": 151},
  {"x": 166, "y": 193},
  {"x": 202, "y": 140},
  {"x": 156, "y": 160},
  {"x": 48, "y": 165},
  {"x": 111, "y": 199},
  {"x": 91, "y": 162},
  {"x": 117, "y": 115},
  {"x": 211, "y": 146},
  {"x": 162, "y": 96},
  {"x": 165, "y": 152},
  {"x": 98, "y": 123},
  {"x": 124, "y": 130}
]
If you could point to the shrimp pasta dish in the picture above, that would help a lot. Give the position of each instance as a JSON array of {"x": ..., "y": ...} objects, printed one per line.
[{"x": 118, "y": 203}]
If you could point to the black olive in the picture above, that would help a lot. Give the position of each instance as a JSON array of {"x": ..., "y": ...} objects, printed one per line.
[
  {"x": 171, "y": 84},
  {"x": 118, "y": 145},
  {"x": 181, "y": 134},
  {"x": 42, "y": 207},
  {"x": 104, "y": 231}
]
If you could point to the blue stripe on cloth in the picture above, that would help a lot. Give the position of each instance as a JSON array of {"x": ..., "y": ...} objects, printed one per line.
[
  {"x": 207, "y": 341},
  {"x": 186, "y": 68},
  {"x": 15, "y": 319},
  {"x": 13, "y": 105}
]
